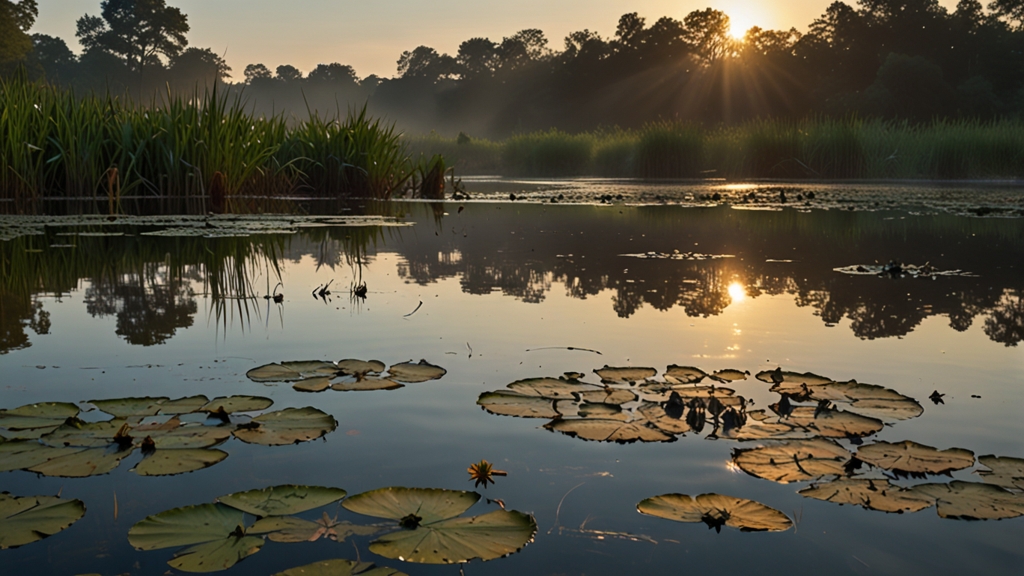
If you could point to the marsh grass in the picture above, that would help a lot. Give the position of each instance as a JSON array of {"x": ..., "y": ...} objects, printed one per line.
[
  {"x": 816, "y": 148},
  {"x": 56, "y": 144}
]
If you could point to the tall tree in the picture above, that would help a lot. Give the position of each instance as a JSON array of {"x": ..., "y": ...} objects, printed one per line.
[
  {"x": 137, "y": 31},
  {"x": 477, "y": 57},
  {"x": 15, "y": 21},
  {"x": 707, "y": 32}
]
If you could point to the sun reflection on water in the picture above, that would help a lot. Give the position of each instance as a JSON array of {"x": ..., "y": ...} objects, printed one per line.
[{"x": 737, "y": 292}]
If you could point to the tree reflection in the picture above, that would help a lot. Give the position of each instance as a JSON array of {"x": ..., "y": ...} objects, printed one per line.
[
  {"x": 1006, "y": 324},
  {"x": 150, "y": 305}
]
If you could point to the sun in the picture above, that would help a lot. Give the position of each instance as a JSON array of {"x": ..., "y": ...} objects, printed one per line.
[
  {"x": 744, "y": 15},
  {"x": 737, "y": 292}
]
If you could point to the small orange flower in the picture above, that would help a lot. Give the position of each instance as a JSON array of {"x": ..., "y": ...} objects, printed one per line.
[{"x": 483, "y": 472}]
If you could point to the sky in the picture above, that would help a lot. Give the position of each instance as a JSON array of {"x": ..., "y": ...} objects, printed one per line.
[{"x": 370, "y": 35}]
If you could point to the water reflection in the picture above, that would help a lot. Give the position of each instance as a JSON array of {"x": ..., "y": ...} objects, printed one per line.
[{"x": 640, "y": 255}]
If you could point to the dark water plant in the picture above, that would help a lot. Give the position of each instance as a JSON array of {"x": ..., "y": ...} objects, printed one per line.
[{"x": 55, "y": 143}]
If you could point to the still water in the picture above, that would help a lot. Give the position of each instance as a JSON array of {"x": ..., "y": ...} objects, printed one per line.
[{"x": 495, "y": 294}]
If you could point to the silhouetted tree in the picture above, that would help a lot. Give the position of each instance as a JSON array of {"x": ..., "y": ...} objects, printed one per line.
[
  {"x": 256, "y": 72},
  {"x": 424, "y": 62},
  {"x": 477, "y": 57},
  {"x": 288, "y": 73},
  {"x": 707, "y": 32},
  {"x": 15, "y": 20},
  {"x": 137, "y": 31}
]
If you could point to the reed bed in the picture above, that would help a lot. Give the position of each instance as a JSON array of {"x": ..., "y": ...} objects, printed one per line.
[
  {"x": 817, "y": 148},
  {"x": 54, "y": 144}
]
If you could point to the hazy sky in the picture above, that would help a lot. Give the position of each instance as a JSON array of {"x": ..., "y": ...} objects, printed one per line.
[{"x": 371, "y": 34}]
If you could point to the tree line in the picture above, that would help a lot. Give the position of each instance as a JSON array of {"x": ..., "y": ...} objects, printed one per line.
[{"x": 909, "y": 59}]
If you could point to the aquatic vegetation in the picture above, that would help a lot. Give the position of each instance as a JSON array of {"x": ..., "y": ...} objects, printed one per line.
[
  {"x": 794, "y": 460},
  {"x": 346, "y": 375},
  {"x": 28, "y": 519},
  {"x": 483, "y": 472},
  {"x": 50, "y": 439},
  {"x": 897, "y": 270},
  {"x": 59, "y": 144},
  {"x": 339, "y": 567},
  {"x": 955, "y": 500},
  {"x": 432, "y": 530},
  {"x": 716, "y": 511},
  {"x": 913, "y": 459},
  {"x": 812, "y": 148},
  {"x": 1002, "y": 471}
]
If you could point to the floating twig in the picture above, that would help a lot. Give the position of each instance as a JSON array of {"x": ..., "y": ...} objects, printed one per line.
[
  {"x": 414, "y": 311},
  {"x": 565, "y": 348},
  {"x": 559, "y": 509}
]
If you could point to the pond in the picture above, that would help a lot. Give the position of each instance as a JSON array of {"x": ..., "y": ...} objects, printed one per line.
[{"x": 663, "y": 387}]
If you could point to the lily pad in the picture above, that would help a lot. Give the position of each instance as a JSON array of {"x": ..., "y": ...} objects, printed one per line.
[
  {"x": 179, "y": 461},
  {"x": 1002, "y": 471},
  {"x": 291, "y": 371},
  {"x": 288, "y": 426},
  {"x": 85, "y": 434},
  {"x": 282, "y": 500},
  {"x": 292, "y": 529},
  {"x": 685, "y": 374},
  {"x": 607, "y": 430},
  {"x": 864, "y": 399},
  {"x": 82, "y": 463},
  {"x": 318, "y": 384},
  {"x": 792, "y": 378},
  {"x": 341, "y": 568},
  {"x": 410, "y": 373},
  {"x": 625, "y": 374},
  {"x": 660, "y": 419},
  {"x": 716, "y": 511},
  {"x": 366, "y": 385},
  {"x": 915, "y": 459},
  {"x": 833, "y": 423},
  {"x": 28, "y": 519},
  {"x": 607, "y": 396},
  {"x": 233, "y": 404},
  {"x": 973, "y": 501},
  {"x": 39, "y": 418},
  {"x": 761, "y": 425},
  {"x": 880, "y": 495},
  {"x": 730, "y": 375},
  {"x": 175, "y": 435},
  {"x": 22, "y": 454},
  {"x": 508, "y": 403},
  {"x": 794, "y": 460},
  {"x": 130, "y": 407},
  {"x": 431, "y": 531},
  {"x": 554, "y": 388},
  {"x": 214, "y": 532},
  {"x": 360, "y": 367}
]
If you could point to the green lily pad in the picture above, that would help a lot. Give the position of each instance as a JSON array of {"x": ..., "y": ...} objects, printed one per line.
[
  {"x": 553, "y": 388},
  {"x": 625, "y": 374},
  {"x": 360, "y": 367},
  {"x": 916, "y": 459},
  {"x": 432, "y": 534},
  {"x": 973, "y": 501},
  {"x": 175, "y": 435},
  {"x": 764, "y": 426},
  {"x": 600, "y": 411},
  {"x": 509, "y": 403},
  {"x": 288, "y": 426},
  {"x": 366, "y": 385},
  {"x": 178, "y": 461},
  {"x": 609, "y": 430},
  {"x": 794, "y": 460},
  {"x": 216, "y": 556},
  {"x": 318, "y": 384},
  {"x": 292, "y": 529},
  {"x": 85, "y": 434},
  {"x": 396, "y": 503},
  {"x": 291, "y": 371},
  {"x": 410, "y": 373},
  {"x": 28, "y": 519},
  {"x": 662, "y": 390},
  {"x": 233, "y": 404},
  {"x": 341, "y": 568},
  {"x": 130, "y": 407},
  {"x": 282, "y": 500},
  {"x": 184, "y": 405},
  {"x": 82, "y": 463},
  {"x": 1002, "y": 471},
  {"x": 23, "y": 454},
  {"x": 880, "y": 495},
  {"x": 716, "y": 511},
  {"x": 214, "y": 532},
  {"x": 41, "y": 417}
]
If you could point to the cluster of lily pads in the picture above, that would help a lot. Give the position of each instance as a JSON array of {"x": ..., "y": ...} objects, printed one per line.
[
  {"x": 175, "y": 436},
  {"x": 801, "y": 434},
  {"x": 423, "y": 525},
  {"x": 28, "y": 519},
  {"x": 346, "y": 375},
  {"x": 630, "y": 404},
  {"x": 896, "y": 269},
  {"x": 208, "y": 226}
]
